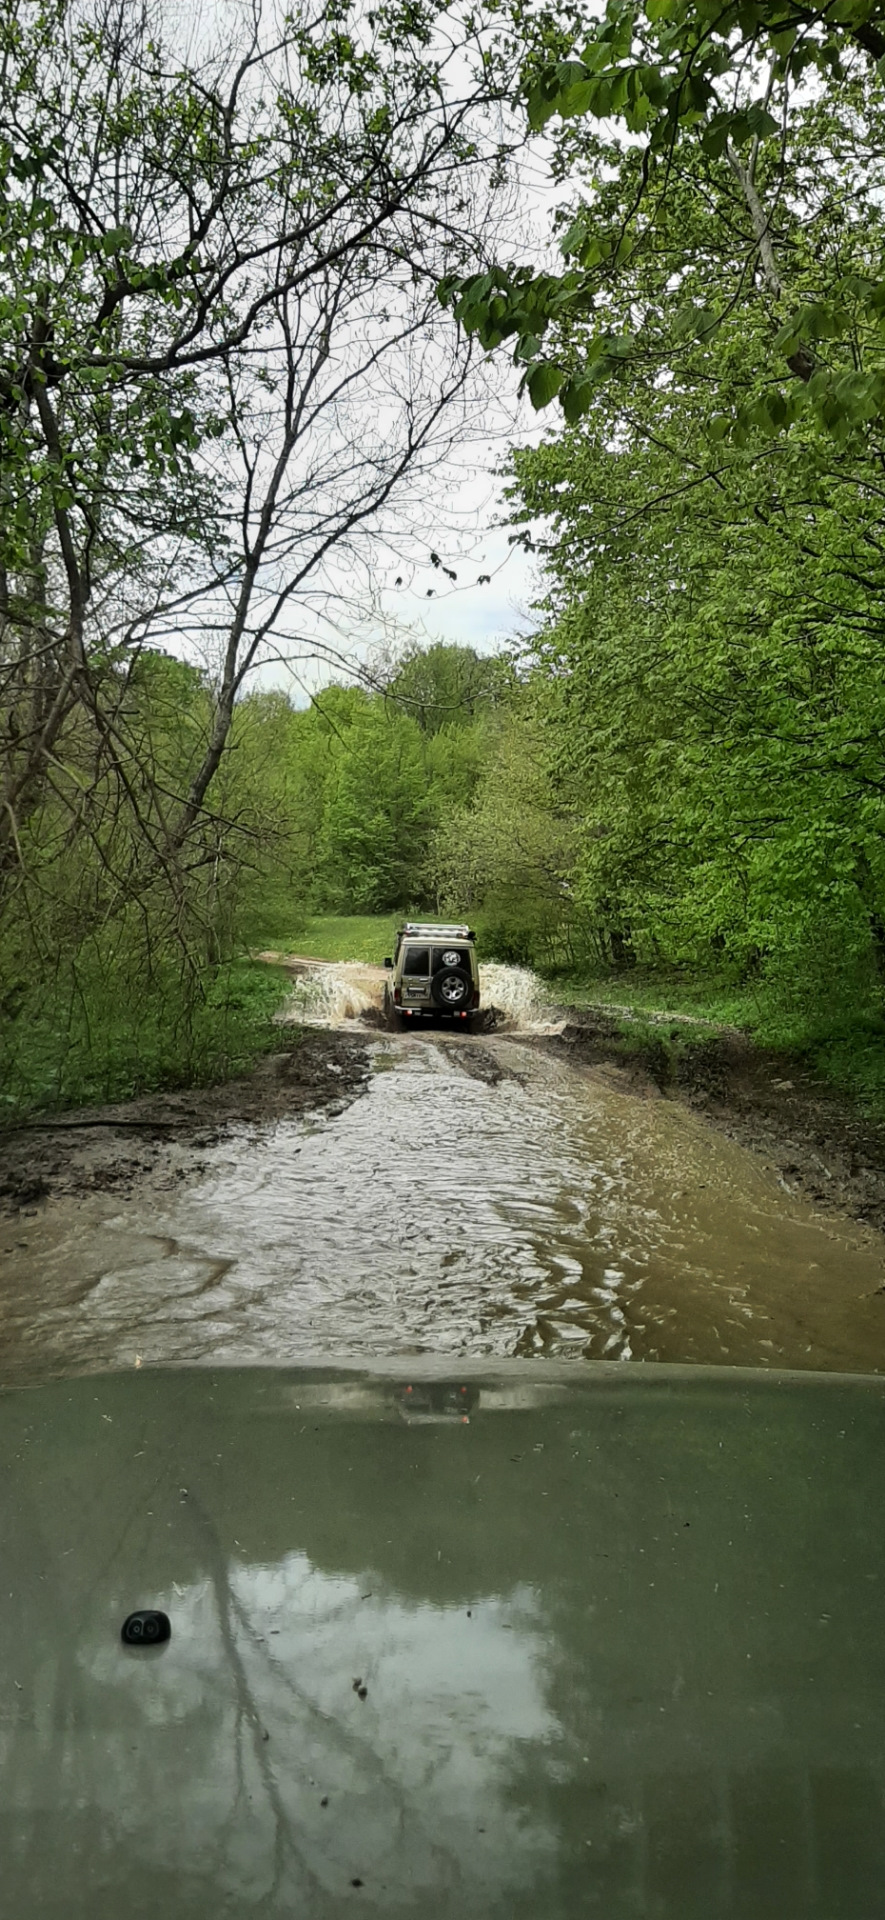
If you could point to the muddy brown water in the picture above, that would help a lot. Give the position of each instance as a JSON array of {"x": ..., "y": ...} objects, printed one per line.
[{"x": 481, "y": 1199}]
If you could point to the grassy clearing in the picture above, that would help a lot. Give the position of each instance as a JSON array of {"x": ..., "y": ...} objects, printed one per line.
[
  {"x": 356, "y": 936},
  {"x": 705, "y": 1001}
]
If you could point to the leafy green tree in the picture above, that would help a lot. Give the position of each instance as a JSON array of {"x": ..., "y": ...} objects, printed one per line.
[
  {"x": 506, "y": 855},
  {"x": 210, "y": 265},
  {"x": 376, "y": 819},
  {"x": 711, "y": 669},
  {"x": 372, "y": 769},
  {"x": 215, "y": 267},
  {"x": 446, "y": 686},
  {"x": 778, "y": 109}
]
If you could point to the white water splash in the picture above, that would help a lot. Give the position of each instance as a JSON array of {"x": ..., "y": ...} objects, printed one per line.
[
  {"x": 331, "y": 993},
  {"x": 327, "y": 996},
  {"x": 520, "y": 996}
]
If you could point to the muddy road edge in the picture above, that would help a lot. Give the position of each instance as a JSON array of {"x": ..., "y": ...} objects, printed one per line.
[
  {"x": 120, "y": 1146},
  {"x": 819, "y": 1142}
]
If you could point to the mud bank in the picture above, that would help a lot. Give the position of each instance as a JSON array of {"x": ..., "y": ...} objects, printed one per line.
[
  {"x": 819, "y": 1143},
  {"x": 161, "y": 1136}
]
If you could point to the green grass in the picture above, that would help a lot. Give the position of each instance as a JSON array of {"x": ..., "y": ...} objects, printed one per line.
[
  {"x": 103, "y": 1031},
  {"x": 707, "y": 999},
  {"x": 838, "y": 1036},
  {"x": 355, "y": 936},
  {"x": 115, "y": 1039}
]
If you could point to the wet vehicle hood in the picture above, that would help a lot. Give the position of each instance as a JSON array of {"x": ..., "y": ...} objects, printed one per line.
[{"x": 516, "y": 1641}]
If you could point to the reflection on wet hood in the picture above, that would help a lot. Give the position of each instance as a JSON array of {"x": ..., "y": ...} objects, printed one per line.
[{"x": 611, "y": 1646}]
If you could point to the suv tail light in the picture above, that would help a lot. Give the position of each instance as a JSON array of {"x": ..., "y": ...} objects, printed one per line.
[{"x": 397, "y": 996}]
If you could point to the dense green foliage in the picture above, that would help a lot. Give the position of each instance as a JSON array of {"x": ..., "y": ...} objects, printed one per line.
[
  {"x": 111, "y": 978},
  {"x": 107, "y": 1028},
  {"x": 706, "y": 692},
  {"x": 377, "y": 774},
  {"x": 634, "y": 99},
  {"x": 708, "y": 677}
]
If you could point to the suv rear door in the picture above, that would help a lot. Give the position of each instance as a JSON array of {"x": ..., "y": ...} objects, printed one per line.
[{"x": 416, "y": 973}]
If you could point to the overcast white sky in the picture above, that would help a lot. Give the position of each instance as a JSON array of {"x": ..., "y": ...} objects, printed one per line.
[
  {"x": 465, "y": 528},
  {"x": 481, "y": 616},
  {"x": 464, "y": 505},
  {"x": 427, "y": 607}
]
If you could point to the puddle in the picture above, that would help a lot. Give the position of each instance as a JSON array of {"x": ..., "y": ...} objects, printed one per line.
[{"x": 479, "y": 1200}]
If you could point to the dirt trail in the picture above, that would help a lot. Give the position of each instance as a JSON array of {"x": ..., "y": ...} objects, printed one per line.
[{"x": 817, "y": 1143}]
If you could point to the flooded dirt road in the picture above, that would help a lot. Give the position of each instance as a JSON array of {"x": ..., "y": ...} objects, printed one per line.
[{"x": 481, "y": 1198}]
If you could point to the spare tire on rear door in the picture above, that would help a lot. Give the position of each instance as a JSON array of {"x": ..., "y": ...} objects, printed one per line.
[{"x": 451, "y": 989}]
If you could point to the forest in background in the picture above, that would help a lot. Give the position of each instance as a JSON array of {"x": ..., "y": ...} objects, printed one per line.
[
  {"x": 333, "y": 808},
  {"x": 679, "y": 780}
]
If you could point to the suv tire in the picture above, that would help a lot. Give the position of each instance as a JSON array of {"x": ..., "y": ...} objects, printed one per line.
[
  {"x": 393, "y": 1019},
  {"x": 451, "y": 989}
]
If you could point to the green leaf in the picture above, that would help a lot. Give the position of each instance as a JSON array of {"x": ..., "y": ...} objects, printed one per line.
[
  {"x": 544, "y": 383},
  {"x": 576, "y": 399},
  {"x": 540, "y": 108},
  {"x": 115, "y": 240},
  {"x": 576, "y": 100},
  {"x": 715, "y": 136},
  {"x": 761, "y": 123},
  {"x": 574, "y": 236}
]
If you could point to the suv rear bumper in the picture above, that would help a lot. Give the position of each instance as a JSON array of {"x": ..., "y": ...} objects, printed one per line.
[{"x": 432, "y": 1013}]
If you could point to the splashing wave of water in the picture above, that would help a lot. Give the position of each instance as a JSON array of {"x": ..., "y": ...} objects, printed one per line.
[
  {"x": 332, "y": 993},
  {"x": 327, "y": 996},
  {"x": 519, "y": 995}
]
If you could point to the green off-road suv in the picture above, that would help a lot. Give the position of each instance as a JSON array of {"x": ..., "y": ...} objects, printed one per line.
[{"x": 434, "y": 974}]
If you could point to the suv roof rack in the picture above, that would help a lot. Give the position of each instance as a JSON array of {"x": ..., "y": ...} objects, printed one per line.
[{"x": 437, "y": 930}]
